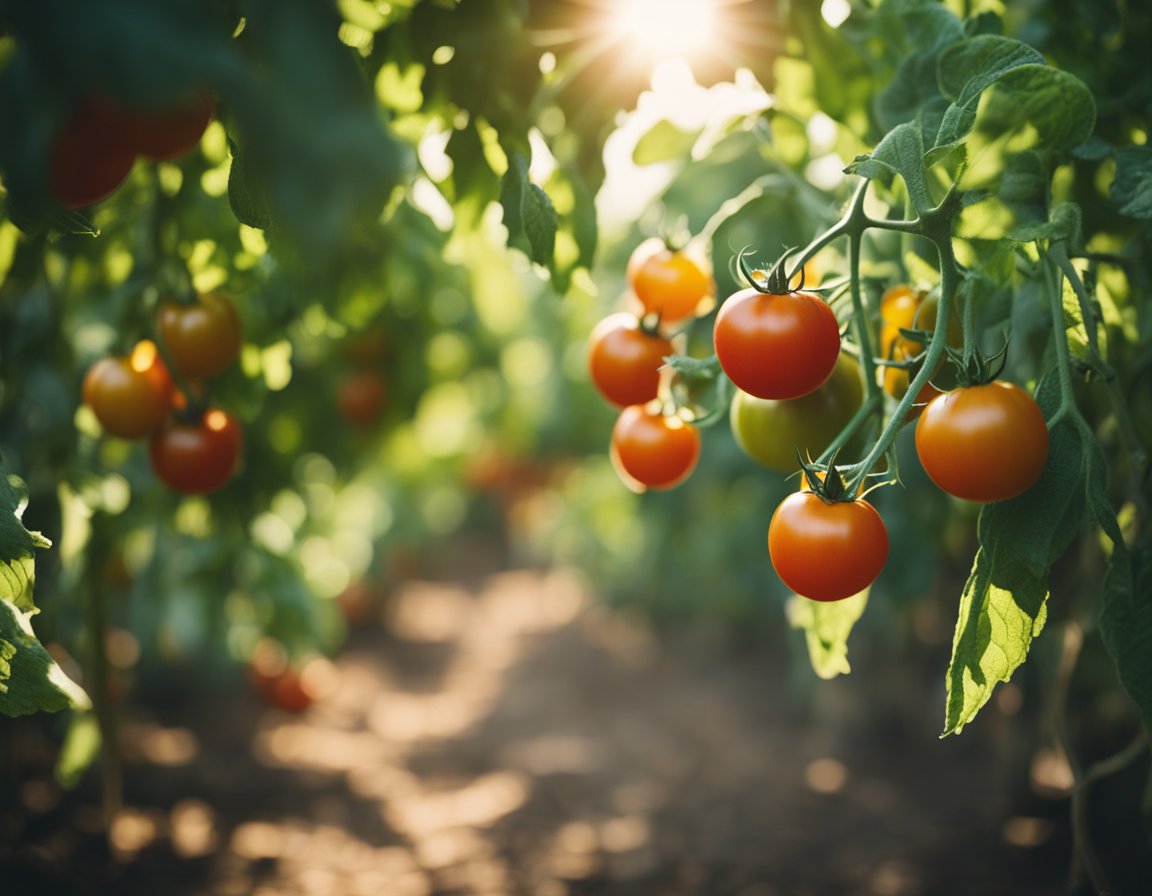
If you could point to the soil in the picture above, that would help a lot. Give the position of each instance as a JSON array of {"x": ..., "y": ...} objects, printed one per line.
[{"x": 515, "y": 737}]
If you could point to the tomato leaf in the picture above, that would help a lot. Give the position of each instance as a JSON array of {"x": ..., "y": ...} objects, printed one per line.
[
  {"x": 663, "y": 142},
  {"x": 1126, "y": 607},
  {"x": 1132, "y": 186},
  {"x": 528, "y": 213},
  {"x": 900, "y": 152},
  {"x": 826, "y": 627},
  {"x": 1004, "y": 604}
]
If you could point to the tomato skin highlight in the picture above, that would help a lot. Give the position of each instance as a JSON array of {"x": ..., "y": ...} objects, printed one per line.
[
  {"x": 824, "y": 550},
  {"x": 770, "y": 432},
  {"x": 624, "y": 362},
  {"x": 203, "y": 337},
  {"x": 196, "y": 458},
  {"x": 983, "y": 443},
  {"x": 667, "y": 283},
  {"x": 130, "y": 402},
  {"x": 776, "y": 346},
  {"x": 654, "y": 450}
]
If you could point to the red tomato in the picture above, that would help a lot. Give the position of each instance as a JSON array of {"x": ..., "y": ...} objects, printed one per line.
[
  {"x": 88, "y": 163},
  {"x": 624, "y": 361},
  {"x": 129, "y": 396},
  {"x": 668, "y": 283},
  {"x": 826, "y": 550},
  {"x": 361, "y": 398},
  {"x": 197, "y": 458},
  {"x": 202, "y": 337},
  {"x": 983, "y": 443},
  {"x": 167, "y": 134},
  {"x": 655, "y": 450},
  {"x": 776, "y": 346}
]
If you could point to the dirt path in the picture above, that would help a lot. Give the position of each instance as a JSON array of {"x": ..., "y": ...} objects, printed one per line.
[{"x": 518, "y": 739}]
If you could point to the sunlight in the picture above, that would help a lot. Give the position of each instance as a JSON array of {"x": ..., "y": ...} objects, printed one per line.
[{"x": 666, "y": 28}]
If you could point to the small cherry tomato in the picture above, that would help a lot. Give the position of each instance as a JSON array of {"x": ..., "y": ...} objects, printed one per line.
[
  {"x": 902, "y": 307},
  {"x": 983, "y": 443},
  {"x": 624, "y": 361},
  {"x": 197, "y": 457},
  {"x": 655, "y": 450},
  {"x": 88, "y": 164},
  {"x": 361, "y": 397},
  {"x": 770, "y": 432},
  {"x": 129, "y": 396},
  {"x": 668, "y": 283},
  {"x": 826, "y": 550},
  {"x": 777, "y": 346},
  {"x": 202, "y": 337}
]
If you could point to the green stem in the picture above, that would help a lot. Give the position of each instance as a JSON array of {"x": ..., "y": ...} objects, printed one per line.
[
  {"x": 1058, "y": 253},
  {"x": 1052, "y": 278},
  {"x": 870, "y": 405},
  {"x": 860, "y": 318}
]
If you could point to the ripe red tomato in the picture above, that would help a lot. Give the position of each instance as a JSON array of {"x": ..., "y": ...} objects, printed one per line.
[
  {"x": 129, "y": 396},
  {"x": 167, "y": 134},
  {"x": 667, "y": 283},
  {"x": 770, "y": 432},
  {"x": 776, "y": 346},
  {"x": 88, "y": 163},
  {"x": 197, "y": 457},
  {"x": 827, "y": 550},
  {"x": 202, "y": 337},
  {"x": 361, "y": 397},
  {"x": 655, "y": 450},
  {"x": 983, "y": 443},
  {"x": 624, "y": 361}
]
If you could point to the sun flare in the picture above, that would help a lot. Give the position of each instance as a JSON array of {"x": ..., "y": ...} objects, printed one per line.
[{"x": 666, "y": 28}]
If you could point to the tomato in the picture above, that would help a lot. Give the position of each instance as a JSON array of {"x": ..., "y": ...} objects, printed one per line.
[
  {"x": 655, "y": 450},
  {"x": 202, "y": 337},
  {"x": 624, "y": 361},
  {"x": 167, "y": 134},
  {"x": 770, "y": 431},
  {"x": 827, "y": 550},
  {"x": 902, "y": 307},
  {"x": 130, "y": 396},
  {"x": 668, "y": 283},
  {"x": 88, "y": 164},
  {"x": 776, "y": 346},
  {"x": 366, "y": 347},
  {"x": 983, "y": 443},
  {"x": 197, "y": 457},
  {"x": 361, "y": 397}
]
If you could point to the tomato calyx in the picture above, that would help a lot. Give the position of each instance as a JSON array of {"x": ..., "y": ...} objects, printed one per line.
[
  {"x": 777, "y": 281},
  {"x": 973, "y": 368},
  {"x": 825, "y": 482}
]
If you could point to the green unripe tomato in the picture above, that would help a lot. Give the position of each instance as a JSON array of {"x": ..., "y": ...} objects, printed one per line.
[{"x": 769, "y": 431}]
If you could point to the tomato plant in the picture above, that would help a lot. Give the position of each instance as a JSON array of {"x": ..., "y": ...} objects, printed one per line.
[
  {"x": 196, "y": 457},
  {"x": 87, "y": 164},
  {"x": 827, "y": 550},
  {"x": 130, "y": 396},
  {"x": 774, "y": 342},
  {"x": 656, "y": 450},
  {"x": 624, "y": 360},
  {"x": 771, "y": 432},
  {"x": 202, "y": 337},
  {"x": 668, "y": 282},
  {"x": 983, "y": 443},
  {"x": 167, "y": 133}
]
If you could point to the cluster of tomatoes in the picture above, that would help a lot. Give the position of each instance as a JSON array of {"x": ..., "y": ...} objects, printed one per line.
[
  {"x": 193, "y": 446},
  {"x": 652, "y": 445},
  {"x": 983, "y": 440},
  {"x": 97, "y": 145}
]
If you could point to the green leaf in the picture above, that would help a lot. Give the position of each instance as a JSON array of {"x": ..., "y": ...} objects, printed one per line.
[
  {"x": 249, "y": 204},
  {"x": 30, "y": 680},
  {"x": 17, "y": 569},
  {"x": 900, "y": 152},
  {"x": 826, "y": 628},
  {"x": 528, "y": 213},
  {"x": 1004, "y": 604},
  {"x": 663, "y": 142},
  {"x": 1132, "y": 186},
  {"x": 80, "y": 748},
  {"x": 967, "y": 68}
]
